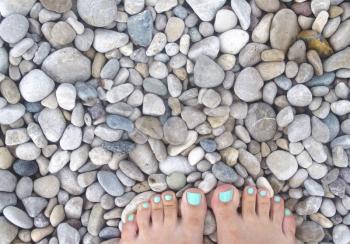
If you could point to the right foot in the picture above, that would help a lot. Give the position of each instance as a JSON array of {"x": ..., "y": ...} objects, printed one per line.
[
  {"x": 158, "y": 221},
  {"x": 263, "y": 220}
]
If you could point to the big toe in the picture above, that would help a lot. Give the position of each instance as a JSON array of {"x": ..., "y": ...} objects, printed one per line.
[
  {"x": 193, "y": 210},
  {"x": 224, "y": 202}
]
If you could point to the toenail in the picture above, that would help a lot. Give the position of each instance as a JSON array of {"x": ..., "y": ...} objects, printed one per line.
[
  {"x": 131, "y": 217},
  {"x": 250, "y": 190},
  {"x": 287, "y": 212},
  {"x": 277, "y": 199},
  {"x": 156, "y": 199},
  {"x": 263, "y": 193},
  {"x": 168, "y": 197},
  {"x": 145, "y": 205},
  {"x": 194, "y": 198},
  {"x": 226, "y": 196}
]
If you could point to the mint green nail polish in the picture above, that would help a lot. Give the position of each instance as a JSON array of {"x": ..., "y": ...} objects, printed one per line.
[
  {"x": 226, "y": 196},
  {"x": 194, "y": 198},
  {"x": 156, "y": 199},
  {"x": 263, "y": 193},
  {"x": 168, "y": 197},
  {"x": 131, "y": 217},
  {"x": 145, "y": 205},
  {"x": 277, "y": 199},
  {"x": 250, "y": 190},
  {"x": 287, "y": 212}
]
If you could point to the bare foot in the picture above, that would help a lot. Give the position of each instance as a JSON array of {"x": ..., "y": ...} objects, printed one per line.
[
  {"x": 263, "y": 220},
  {"x": 158, "y": 221}
]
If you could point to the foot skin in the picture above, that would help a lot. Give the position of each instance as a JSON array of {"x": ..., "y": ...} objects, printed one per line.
[
  {"x": 262, "y": 219},
  {"x": 158, "y": 221}
]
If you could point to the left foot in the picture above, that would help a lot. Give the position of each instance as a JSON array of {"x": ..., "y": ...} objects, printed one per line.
[{"x": 157, "y": 221}]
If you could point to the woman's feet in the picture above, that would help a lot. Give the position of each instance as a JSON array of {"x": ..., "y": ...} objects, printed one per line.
[
  {"x": 158, "y": 221},
  {"x": 262, "y": 219}
]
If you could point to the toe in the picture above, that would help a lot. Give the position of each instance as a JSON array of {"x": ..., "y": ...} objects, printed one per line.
[
  {"x": 143, "y": 216},
  {"x": 157, "y": 211},
  {"x": 249, "y": 202},
  {"x": 129, "y": 230},
  {"x": 170, "y": 208},
  {"x": 263, "y": 204},
  {"x": 277, "y": 210},
  {"x": 289, "y": 225},
  {"x": 193, "y": 208},
  {"x": 225, "y": 201}
]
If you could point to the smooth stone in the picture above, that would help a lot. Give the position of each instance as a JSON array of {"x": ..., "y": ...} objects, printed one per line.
[
  {"x": 62, "y": 33},
  {"x": 243, "y": 11},
  {"x": 73, "y": 207},
  {"x": 67, "y": 65},
  {"x": 224, "y": 173},
  {"x": 34, "y": 205},
  {"x": 339, "y": 60},
  {"x": 268, "y": 5},
  {"x": 107, "y": 40},
  {"x": 8, "y": 232},
  {"x": 261, "y": 32},
  {"x": 6, "y": 158},
  {"x": 7, "y": 181},
  {"x": 153, "y": 105},
  {"x": 208, "y": 145},
  {"x": 144, "y": 158},
  {"x": 47, "y": 186},
  {"x": 97, "y": 13},
  {"x": 174, "y": 29},
  {"x": 66, "y": 95},
  {"x": 67, "y": 234},
  {"x": 300, "y": 128},
  {"x": 323, "y": 80},
  {"x": 248, "y": 85},
  {"x": 36, "y": 85},
  {"x": 119, "y": 123},
  {"x": 251, "y": 54},
  {"x": 192, "y": 117},
  {"x": 69, "y": 182},
  {"x": 18, "y": 217},
  {"x": 176, "y": 180},
  {"x": 225, "y": 20},
  {"x": 7, "y": 199},
  {"x": 4, "y": 60},
  {"x": 233, "y": 41},
  {"x": 150, "y": 126},
  {"x": 71, "y": 138},
  {"x": 118, "y": 93},
  {"x": 207, "y": 73},
  {"x": 341, "y": 107},
  {"x": 313, "y": 188},
  {"x": 341, "y": 234},
  {"x": 140, "y": 27},
  {"x": 110, "y": 183},
  {"x": 11, "y": 113},
  {"x": 52, "y": 123},
  {"x": 155, "y": 86},
  {"x": 340, "y": 39},
  {"x": 122, "y": 146},
  {"x": 175, "y": 164},
  {"x": 249, "y": 162},
  {"x": 310, "y": 231},
  {"x": 261, "y": 122},
  {"x": 299, "y": 95},
  {"x": 282, "y": 164},
  {"x": 25, "y": 168},
  {"x": 205, "y": 9},
  {"x": 59, "y": 6},
  {"x": 8, "y": 7},
  {"x": 285, "y": 116},
  {"x": 315, "y": 149},
  {"x": 284, "y": 29},
  {"x": 175, "y": 131},
  {"x": 14, "y": 28},
  {"x": 270, "y": 70}
]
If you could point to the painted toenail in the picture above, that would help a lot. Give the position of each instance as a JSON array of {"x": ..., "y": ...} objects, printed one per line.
[
  {"x": 131, "y": 217},
  {"x": 287, "y": 212},
  {"x": 168, "y": 197},
  {"x": 250, "y": 190},
  {"x": 194, "y": 198},
  {"x": 156, "y": 199},
  {"x": 226, "y": 196},
  {"x": 277, "y": 199},
  {"x": 263, "y": 193},
  {"x": 145, "y": 205}
]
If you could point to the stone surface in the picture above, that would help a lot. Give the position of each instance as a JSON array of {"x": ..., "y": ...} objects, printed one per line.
[
  {"x": 140, "y": 28},
  {"x": 282, "y": 164},
  {"x": 97, "y": 13},
  {"x": 206, "y": 9},
  {"x": 207, "y": 73}
]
